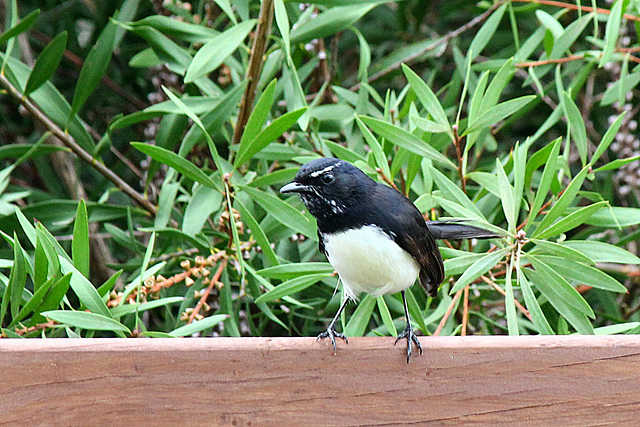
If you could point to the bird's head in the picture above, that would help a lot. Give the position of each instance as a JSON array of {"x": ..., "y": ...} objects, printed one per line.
[{"x": 328, "y": 186}]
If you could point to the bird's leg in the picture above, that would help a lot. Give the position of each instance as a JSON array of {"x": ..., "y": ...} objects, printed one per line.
[
  {"x": 331, "y": 329},
  {"x": 408, "y": 330}
]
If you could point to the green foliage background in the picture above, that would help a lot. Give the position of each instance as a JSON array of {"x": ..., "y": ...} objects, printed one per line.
[{"x": 138, "y": 190}]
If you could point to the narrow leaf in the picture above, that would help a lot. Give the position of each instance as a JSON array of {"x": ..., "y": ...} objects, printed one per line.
[
  {"x": 282, "y": 211},
  {"x": 80, "y": 243},
  {"x": 215, "y": 51},
  {"x": 46, "y": 63},
  {"x": 86, "y": 320}
]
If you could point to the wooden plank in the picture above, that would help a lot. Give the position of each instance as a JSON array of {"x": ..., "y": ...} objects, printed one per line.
[{"x": 568, "y": 380}]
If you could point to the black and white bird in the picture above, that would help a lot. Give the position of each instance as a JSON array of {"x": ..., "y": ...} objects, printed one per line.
[{"x": 375, "y": 237}]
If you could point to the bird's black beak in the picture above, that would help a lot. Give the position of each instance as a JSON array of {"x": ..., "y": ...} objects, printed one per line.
[{"x": 294, "y": 187}]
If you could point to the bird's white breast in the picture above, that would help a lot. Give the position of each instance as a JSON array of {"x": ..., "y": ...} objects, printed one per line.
[{"x": 368, "y": 260}]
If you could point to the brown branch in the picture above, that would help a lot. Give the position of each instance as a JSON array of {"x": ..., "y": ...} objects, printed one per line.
[
  {"x": 437, "y": 43},
  {"x": 570, "y": 6},
  {"x": 448, "y": 313},
  {"x": 71, "y": 143},
  {"x": 520, "y": 307},
  {"x": 549, "y": 61},
  {"x": 256, "y": 60},
  {"x": 465, "y": 311},
  {"x": 214, "y": 280}
]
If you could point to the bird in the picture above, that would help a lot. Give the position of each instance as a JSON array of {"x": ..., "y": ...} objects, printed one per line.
[{"x": 374, "y": 237}]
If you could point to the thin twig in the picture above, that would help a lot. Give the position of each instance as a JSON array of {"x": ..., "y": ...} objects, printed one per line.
[
  {"x": 465, "y": 311},
  {"x": 549, "y": 61},
  {"x": 256, "y": 60},
  {"x": 205, "y": 295},
  {"x": 564, "y": 5},
  {"x": 448, "y": 313},
  {"x": 520, "y": 307},
  {"x": 71, "y": 143},
  {"x": 437, "y": 43}
]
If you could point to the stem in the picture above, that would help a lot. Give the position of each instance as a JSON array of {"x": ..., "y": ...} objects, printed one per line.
[
  {"x": 71, "y": 143},
  {"x": 256, "y": 60},
  {"x": 457, "y": 141}
]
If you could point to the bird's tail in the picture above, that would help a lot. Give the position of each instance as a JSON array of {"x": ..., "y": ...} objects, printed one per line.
[{"x": 457, "y": 230}]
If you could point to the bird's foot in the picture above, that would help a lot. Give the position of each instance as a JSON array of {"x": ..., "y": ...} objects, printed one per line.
[
  {"x": 410, "y": 336},
  {"x": 333, "y": 334}
]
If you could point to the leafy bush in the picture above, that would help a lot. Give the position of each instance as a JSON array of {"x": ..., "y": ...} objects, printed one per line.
[{"x": 155, "y": 137}]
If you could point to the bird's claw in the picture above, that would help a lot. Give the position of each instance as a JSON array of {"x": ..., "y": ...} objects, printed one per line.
[
  {"x": 332, "y": 333},
  {"x": 410, "y": 336}
]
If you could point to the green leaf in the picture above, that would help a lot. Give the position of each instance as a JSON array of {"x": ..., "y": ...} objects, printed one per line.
[
  {"x": 406, "y": 140},
  {"x": 329, "y": 22},
  {"x": 532, "y": 305},
  {"x": 361, "y": 317},
  {"x": 17, "y": 278},
  {"x": 293, "y": 270},
  {"x": 171, "y": 159},
  {"x": 603, "y": 252},
  {"x": 555, "y": 297},
  {"x": 578, "y": 129},
  {"x": 23, "y": 25},
  {"x": 545, "y": 182},
  {"x": 203, "y": 202},
  {"x": 282, "y": 212},
  {"x": 258, "y": 116},
  {"x": 561, "y": 286},
  {"x": 478, "y": 268},
  {"x": 189, "y": 113},
  {"x": 563, "y": 202},
  {"x": 46, "y": 63},
  {"x": 616, "y": 164},
  {"x": 427, "y": 98},
  {"x": 376, "y": 148},
  {"x": 616, "y": 329},
  {"x": 571, "y": 221},
  {"x": 198, "y": 326},
  {"x": 282, "y": 21},
  {"x": 257, "y": 232},
  {"x": 292, "y": 286},
  {"x": 615, "y": 216},
  {"x": 507, "y": 197},
  {"x": 267, "y": 135},
  {"x": 86, "y": 320},
  {"x": 452, "y": 192},
  {"x": 215, "y": 51},
  {"x": 52, "y": 299},
  {"x": 80, "y": 243},
  {"x": 460, "y": 264},
  {"x": 386, "y": 316},
  {"x": 561, "y": 250},
  {"x": 583, "y": 274},
  {"x": 85, "y": 291},
  {"x": 499, "y": 112},
  {"x": 35, "y": 300},
  {"x": 485, "y": 33},
  {"x": 612, "y": 31},
  {"x": 570, "y": 35},
  {"x": 94, "y": 67},
  {"x": 125, "y": 309}
]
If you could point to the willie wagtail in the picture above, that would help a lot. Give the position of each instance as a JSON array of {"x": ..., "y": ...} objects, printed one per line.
[{"x": 375, "y": 237}]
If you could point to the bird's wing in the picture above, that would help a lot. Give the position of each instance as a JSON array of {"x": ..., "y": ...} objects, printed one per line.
[
  {"x": 411, "y": 233},
  {"x": 422, "y": 247}
]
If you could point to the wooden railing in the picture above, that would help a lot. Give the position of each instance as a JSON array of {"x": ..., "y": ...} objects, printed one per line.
[{"x": 537, "y": 380}]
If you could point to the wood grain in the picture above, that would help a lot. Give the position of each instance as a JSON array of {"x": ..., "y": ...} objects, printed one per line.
[{"x": 562, "y": 380}]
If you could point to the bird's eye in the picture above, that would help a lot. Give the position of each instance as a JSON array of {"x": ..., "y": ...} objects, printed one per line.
[{"x": 328, "y": 178}]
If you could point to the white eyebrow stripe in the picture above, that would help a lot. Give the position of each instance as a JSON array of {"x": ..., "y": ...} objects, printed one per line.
[{"x": 320, "y": 172}]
